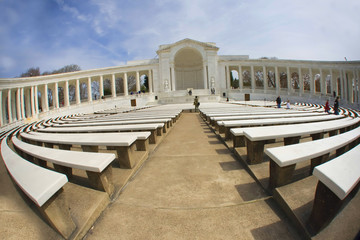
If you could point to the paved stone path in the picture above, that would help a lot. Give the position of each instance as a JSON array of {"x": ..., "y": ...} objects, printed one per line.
[{"x": 192, "y": 187}]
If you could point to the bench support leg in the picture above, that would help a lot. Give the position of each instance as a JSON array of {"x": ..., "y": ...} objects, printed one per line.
[
  {"x": 333, "y": 133},
  {"x": 255, "y": 151},
  {"x": 280, "y": 176},
  {"x": 316, "y": 136},
  {"x": 291, "y": 140},
  {"x": 152, "y": 138},
  {"x": 142, "y": 145},
  {"x": 102, "y": 181},
  {"x": 56, "y": 212},
  {"x": 227, "y": 134},
  {"x": 221, "y": 129},
  {"x": 125, "y": 155},
  {"x": 49, "y": 145},
  {"x": 65, "y": 147},
  {"x": 159, "y": 131},
  {"x": 326, "y": 205},
  {"x": 340, "y": 151},
  {"x": 63, "y": 169},
  {"x": 90, "y": 148},
  {"x": 239, "y": 141},
  {"x": 317, "y": 161}
]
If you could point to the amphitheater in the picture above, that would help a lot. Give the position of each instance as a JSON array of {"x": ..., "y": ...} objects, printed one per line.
[{"x": 123, "y": 153}]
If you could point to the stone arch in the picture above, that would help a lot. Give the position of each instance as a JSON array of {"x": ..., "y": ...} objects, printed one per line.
[{"x": 189, "y": 70}]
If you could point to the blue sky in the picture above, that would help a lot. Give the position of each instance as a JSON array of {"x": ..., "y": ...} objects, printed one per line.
[{"x": 101, "y": 33}]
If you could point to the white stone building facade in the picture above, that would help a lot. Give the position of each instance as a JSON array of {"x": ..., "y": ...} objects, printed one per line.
[{"x": 181, "y": 66}]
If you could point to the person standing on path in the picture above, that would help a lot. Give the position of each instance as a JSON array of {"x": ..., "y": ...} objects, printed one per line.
[
  {"x": 278, "y": 101},
  {"x": 196, "y": 103},
  {"x": 336, "y": 106}
]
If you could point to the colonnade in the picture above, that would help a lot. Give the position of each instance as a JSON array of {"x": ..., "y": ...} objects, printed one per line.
[
  {"x": 32, "y": 97},
  {"x": 296, "y": 80}
]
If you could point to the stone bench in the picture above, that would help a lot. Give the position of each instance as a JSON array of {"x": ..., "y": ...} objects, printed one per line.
[
  {"x": 248, "y": 115},
  {"x": 156, "y": 129},
  {"x": 337, "y": 178},
  {"x": 96, "y": 165},
  {"x": 264, "y": 115},
  {"x": 256, "y": 137},
  {"x": 209, "y": 116},
  {"x": 224, "y": 126},
  {"x": 43, "y": 186},
  {"x": 142, "y": 138},
  {"x": 166, "y": 121},
  {"x": 124, "y": 145},
  {"x": 283, "y": 159}
]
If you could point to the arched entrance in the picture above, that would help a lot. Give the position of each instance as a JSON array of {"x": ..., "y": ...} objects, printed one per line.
[{"x": 189, "y": 72}]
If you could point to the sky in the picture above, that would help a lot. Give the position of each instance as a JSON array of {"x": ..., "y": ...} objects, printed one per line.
[{"x": 51, "y": 34}]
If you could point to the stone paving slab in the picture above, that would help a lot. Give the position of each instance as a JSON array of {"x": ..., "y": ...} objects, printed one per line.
[{"x": 192, "y": 187}]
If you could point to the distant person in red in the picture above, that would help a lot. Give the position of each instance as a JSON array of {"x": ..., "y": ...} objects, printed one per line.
[{"x": 327, "y": 106}]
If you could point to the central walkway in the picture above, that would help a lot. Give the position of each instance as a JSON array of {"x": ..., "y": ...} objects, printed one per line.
[{"x": 192, "y": 187}]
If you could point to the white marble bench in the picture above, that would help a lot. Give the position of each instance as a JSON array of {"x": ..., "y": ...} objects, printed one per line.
[
  {"x": 264, "y": 115},
  {"x": 156, "y": 129},
  {"x": 96, "y": 165},
  {"x": 142, "y": 138},
  {"x": 278, "y": 120},
  {"x": 256, "y": 137},
  {"x": 337, "y": 178},
  {"x": 43, "y": 187},
  {"x": 112, "y": 122},
  {"x": 283, "y": 159},
  {"x": 124, "y": 145}
]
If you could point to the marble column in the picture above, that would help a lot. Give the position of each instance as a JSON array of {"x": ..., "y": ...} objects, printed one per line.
[
  {"x": 137, "y": 81},
  {"x": 113, "y": 86},
  {"x": 332, "y": 82},
  {"x": 265, "y": 79},
  {"x": 241, "y": 79},
  {"x": 253, "y": 83},
  {"x": 227, "y": 71},
  {"x": 32, "y": 102},
  {"x": 312, "y": 85},
  {"x": 322, "y": 83},
  {"x": 101, "y": 85},
  {"x": 205, "y": 76},
  {"x": 301, "y": 82},
  {"x": 56, "y": 93},
  {"x": 344, "y": 86},
  {"x": 46, "y": 99},
  {"x": 173, "y": 82},
  {"x": 125, "y": 83},
  {"x": 77, "y": 91},
  {"x": 277, "y": 80},
  {"x": 18, "y": 105},
  {"x": 66, "y": 94},
  {"x": 288, "y": 79},
  {"x": 150, "y": 79},
  {"x": 22, "y": 103},
  {"x": 9, "y": 106},
  {"x": 1, "y": 110},
  {"x": 89, "y": 89},
  {"x": 36, "y": 99}
]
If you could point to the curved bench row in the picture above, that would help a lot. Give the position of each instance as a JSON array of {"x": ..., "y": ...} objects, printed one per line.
[
  {"x": 43, "y": 161},
  {"x": 254, "y": 135}
]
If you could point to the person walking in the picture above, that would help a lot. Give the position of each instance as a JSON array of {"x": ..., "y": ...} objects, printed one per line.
[
  {"x": 278, "y": 101},
  {"x": 336, "y": 106},
  {"x": 327, "y": 106}
]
